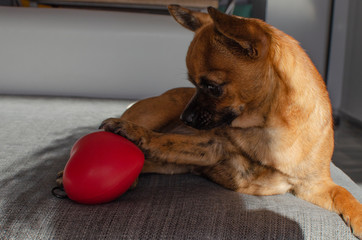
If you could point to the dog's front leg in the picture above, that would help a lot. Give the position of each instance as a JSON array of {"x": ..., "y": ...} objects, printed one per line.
[{"x": 202, "y": 149}]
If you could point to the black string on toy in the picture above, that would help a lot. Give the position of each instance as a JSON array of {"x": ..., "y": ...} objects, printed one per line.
[{"x": 59, "y": 192}]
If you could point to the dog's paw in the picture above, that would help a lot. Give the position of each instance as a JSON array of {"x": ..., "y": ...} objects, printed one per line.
[
  {"x": 110, "y": 124},
  {"x": 59, "y": 180},
  {"x": 135, "y": 133},
  {"x": 355, "y": 223}
]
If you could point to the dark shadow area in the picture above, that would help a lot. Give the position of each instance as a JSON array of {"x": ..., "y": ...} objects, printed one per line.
[
  {"x": 161, "y": 207},
  {"x": 348, "y": 148}
]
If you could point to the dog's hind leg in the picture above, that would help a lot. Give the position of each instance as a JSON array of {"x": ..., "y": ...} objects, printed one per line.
[{"x": 330, "y": 196}]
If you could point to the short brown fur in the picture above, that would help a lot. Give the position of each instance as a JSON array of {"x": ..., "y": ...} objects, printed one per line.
[{"x": 260, "y": 119}]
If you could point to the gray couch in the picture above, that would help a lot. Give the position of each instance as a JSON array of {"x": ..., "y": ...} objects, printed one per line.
[{"x": 35, "y": 138}]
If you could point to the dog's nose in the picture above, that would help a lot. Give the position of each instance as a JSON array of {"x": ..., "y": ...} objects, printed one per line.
[{"x": 188, "y": 119}]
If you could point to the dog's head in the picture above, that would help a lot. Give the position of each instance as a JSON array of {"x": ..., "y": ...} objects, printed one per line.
[{"x": 227, "y": 61}]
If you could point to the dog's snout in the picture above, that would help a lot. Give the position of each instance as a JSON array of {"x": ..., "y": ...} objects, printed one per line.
[{"x": 188, "y": 118}]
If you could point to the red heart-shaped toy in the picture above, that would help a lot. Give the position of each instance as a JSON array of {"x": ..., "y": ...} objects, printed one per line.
[{"x": 102, "y": 166}]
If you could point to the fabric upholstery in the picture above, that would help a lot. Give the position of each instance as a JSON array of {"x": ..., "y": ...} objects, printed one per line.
[{"x": 35, "y": 138}]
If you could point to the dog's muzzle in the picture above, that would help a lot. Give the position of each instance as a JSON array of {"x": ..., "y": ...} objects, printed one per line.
[
  {"x": 198, "y": 120},
  {"x": 205, "y": 120}
]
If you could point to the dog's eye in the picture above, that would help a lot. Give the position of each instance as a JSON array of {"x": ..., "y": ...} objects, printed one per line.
[
  {"x": 210, "y": 87},
  {"x": 214, "y": 90}
]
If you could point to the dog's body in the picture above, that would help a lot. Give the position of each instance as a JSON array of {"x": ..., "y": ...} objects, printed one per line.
[{"x": 258, "y": 122}]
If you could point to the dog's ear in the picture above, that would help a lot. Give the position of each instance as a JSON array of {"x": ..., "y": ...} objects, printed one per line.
[
  {"x": 247, "y": 33},
  {"x": 187, "y": 18}
]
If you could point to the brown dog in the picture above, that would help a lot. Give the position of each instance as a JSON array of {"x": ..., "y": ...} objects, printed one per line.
[{"x": 258, "y": 122}]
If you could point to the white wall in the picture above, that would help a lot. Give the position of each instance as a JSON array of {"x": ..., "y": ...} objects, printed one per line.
[{"x": 90, "y": 53}]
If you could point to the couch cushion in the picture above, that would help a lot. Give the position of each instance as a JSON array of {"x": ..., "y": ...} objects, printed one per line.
[{"x": 35, "y": 138}]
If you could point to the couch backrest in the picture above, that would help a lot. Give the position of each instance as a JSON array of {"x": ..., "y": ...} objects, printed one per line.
[{"x": 90, "y": 53}]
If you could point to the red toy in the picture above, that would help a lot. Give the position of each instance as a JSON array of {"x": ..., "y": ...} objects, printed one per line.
[{"x": 101, "y": 167}]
